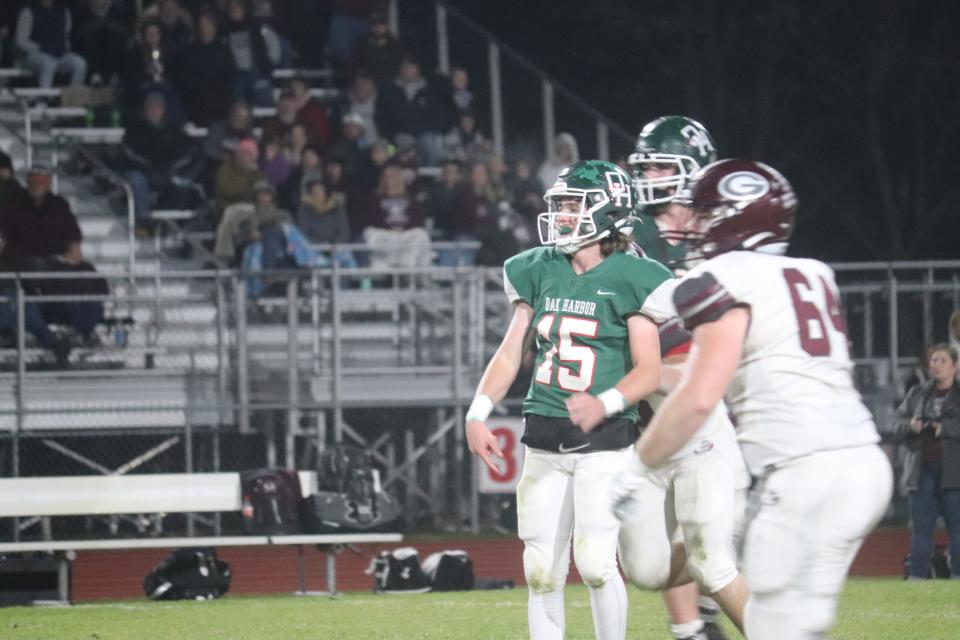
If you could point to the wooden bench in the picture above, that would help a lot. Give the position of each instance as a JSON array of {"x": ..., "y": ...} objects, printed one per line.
[{"x": 45, "y": 497}]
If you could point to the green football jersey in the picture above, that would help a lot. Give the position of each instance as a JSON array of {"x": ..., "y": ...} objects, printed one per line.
[
  {"x": 580, "y": 321},
  {"x": 647, "y": 236}
]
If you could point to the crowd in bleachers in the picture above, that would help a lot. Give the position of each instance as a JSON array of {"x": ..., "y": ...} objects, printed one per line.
[{"x": 344, "y": 165}]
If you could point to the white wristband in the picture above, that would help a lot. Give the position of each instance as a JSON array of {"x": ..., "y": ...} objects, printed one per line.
[
  {"x": 480, "y": 408},
  {"x": 613, "y": 402}
]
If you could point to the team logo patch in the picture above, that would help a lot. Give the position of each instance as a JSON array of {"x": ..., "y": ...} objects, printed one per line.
[{"x": 743, "y": 185}]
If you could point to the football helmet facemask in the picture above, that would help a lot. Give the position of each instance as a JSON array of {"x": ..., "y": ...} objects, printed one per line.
[
  {"x": 738, "y": 205},
  {"x": 668, "y": 151},
  {"x": 590, "y": 200}
]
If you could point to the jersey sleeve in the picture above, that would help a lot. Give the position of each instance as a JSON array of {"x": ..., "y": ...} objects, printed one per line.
[
  {"x": 518, "y": 281},
  {"x": 674, "y": 338},
  {"x": 658, "y": 302},
  {"x": 705, "y": 294}
]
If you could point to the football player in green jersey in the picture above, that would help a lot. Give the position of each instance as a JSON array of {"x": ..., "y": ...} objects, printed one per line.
[
  {"x": 668, "y": 151},
  {"x": 598, "y": 354}
]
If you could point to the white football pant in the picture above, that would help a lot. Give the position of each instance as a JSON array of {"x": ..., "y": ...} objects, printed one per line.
[{"x": 811, "y": 515}]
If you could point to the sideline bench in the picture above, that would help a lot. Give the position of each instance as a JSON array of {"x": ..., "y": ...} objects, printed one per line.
[{"x": 149, "y": 494}]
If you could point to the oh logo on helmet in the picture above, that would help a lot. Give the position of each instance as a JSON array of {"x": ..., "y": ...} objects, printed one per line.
[
  {"x": 698, "y": 139},
  {"x": 619, "y": 186},
  {"x": 743, "y": 185}
]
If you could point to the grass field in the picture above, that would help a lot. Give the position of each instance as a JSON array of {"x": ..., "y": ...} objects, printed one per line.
[{"x": 870, "y": 610}]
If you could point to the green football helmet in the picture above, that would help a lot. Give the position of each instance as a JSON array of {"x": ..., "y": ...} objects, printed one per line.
[
  {"x": 590, "y": 200},
  {"x": 669, "y": 142}
]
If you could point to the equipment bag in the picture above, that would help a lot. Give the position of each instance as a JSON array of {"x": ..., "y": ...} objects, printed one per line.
[
  {"x": 350, "y": 497},
  {"x": 398, "y": 571},
  {"x": 449, "y": 571},
  {"x": 188, "y": 574},
  {"x": 271, "y": 500}
]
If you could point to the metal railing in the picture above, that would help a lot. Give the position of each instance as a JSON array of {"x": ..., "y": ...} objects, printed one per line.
[{"x": 549, "y": 86}]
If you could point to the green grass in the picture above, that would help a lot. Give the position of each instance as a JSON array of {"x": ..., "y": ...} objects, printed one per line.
[{"x": 870, "y": 610}]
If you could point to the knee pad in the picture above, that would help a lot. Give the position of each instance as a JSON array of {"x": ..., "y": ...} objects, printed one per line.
[
  {"x": 649, "y": 571},
  {"x": 596, "y": 559},
  {"x": 543, "y": 571}
]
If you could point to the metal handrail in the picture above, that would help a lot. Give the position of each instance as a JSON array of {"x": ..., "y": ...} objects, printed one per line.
[
  {"x": 117, "y": 179},
  {"x": 532, "y": 68}
]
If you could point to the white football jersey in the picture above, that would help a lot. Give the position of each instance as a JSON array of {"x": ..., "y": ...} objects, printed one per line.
[{"x": 793, "y": 393}]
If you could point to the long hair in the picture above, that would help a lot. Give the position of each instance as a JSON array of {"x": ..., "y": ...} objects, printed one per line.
[{"x": 613, "y": 243}]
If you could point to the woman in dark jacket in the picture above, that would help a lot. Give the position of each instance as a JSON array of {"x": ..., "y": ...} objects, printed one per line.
[{"x": 928, "y": 421}]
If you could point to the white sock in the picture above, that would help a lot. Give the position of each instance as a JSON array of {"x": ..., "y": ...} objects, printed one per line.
[
  {"x": 686, "y": 629},
  {"x": 545, "y": 615},
  {"x": 609, "y": 606},
  {"x": 709, "y": 609}
]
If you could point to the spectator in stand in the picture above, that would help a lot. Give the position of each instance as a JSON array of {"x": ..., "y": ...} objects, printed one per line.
[
  {"x": 264, "y": 210},
  {"x": 361, "y": 99},
  {"x": 445, "y": 196},
  {"x": 43, "y": 39},
  {"x": 323, "y": 220},
  {"x": 149, "y": 66},
  {"x": 333, "y": 176},
  {"x": 280, "y": 124},
  {"x": 10, "y": 189},
  {"x": 294, "y": 143},
  {"x": 460, "y": 92},
  {"x": 367, "y": 176},
  {"x": 525, "y": 191},
  {"x": 43, "y": 227},
  {"x": 564, "y": 154},
  {"x": 256, "y": 52},
  {"x": 154, "y": 149},
  {"x": 205, "y": 73},
  {"x": 397, "y": 237},
  {"x": 223, "y": 135},
  {"x": 380, "y": 51},
  {"x": 101, "y": 38},
  {"x": 33, "y": 320},
  {"x": 274, "y": 245},
  {"x": 497, "y": 170},
  {"x": 475, "y": 215},
  {"x": 412, "y": 105},
  {"x": 40, "y": 224},
  {"x": 348, "y": 25},
  {"x": 928, "y": 421},
  {"x": 349, "y": 148},
  {"x": 310, "y": 166},
  {"x": 175, "y": 22},
  {"x": 237, "y": 176},
  {"x": 273, "y": 161},
  {"x": 465, "y": 142},
  {"x": 311, "y": 113},
  {"x": 954, "y": 329}
]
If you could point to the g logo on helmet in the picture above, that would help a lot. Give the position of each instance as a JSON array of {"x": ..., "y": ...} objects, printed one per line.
[{"x": 743, "y": 185}]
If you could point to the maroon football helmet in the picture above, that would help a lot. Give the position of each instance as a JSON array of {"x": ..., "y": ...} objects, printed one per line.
[{"x": 737, "y": 205}]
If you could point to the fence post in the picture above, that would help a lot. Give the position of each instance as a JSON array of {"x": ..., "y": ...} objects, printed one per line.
[
  {"x": 243, "y": 379},
  {"x": 443, "y": 40},
  {"x": 21, "y": 392},
  {"x": 892, "y": 308},
  {"x": 549, "y": 125},
  {"x": 336, "y": 368},
  {"x": 293, "y": 371},
  {"x": 603, "y": 140},
  {"x": 496, "y": 97}
]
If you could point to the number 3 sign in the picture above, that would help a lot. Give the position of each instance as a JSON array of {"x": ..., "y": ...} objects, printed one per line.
[{"x": 508, "y": 432}]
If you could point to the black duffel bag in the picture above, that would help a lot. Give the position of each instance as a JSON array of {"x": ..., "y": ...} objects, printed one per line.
[{"x": 188, "y": 574}]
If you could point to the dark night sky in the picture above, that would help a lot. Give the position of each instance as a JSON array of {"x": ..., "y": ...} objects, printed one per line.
[{"x": 855, "y": 102}]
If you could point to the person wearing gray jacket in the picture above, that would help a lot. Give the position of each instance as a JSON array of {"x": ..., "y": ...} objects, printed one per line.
[{"x": 928, "y": 426}]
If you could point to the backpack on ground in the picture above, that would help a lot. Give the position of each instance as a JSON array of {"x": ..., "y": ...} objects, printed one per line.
[
  {"x": 398, "y": 571},
  {"x": 349, "y": 497},
  {"x": 449, "y": 571},
  {"x": 271, "y": 499},
  {"x": 188, "y": 574}
]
